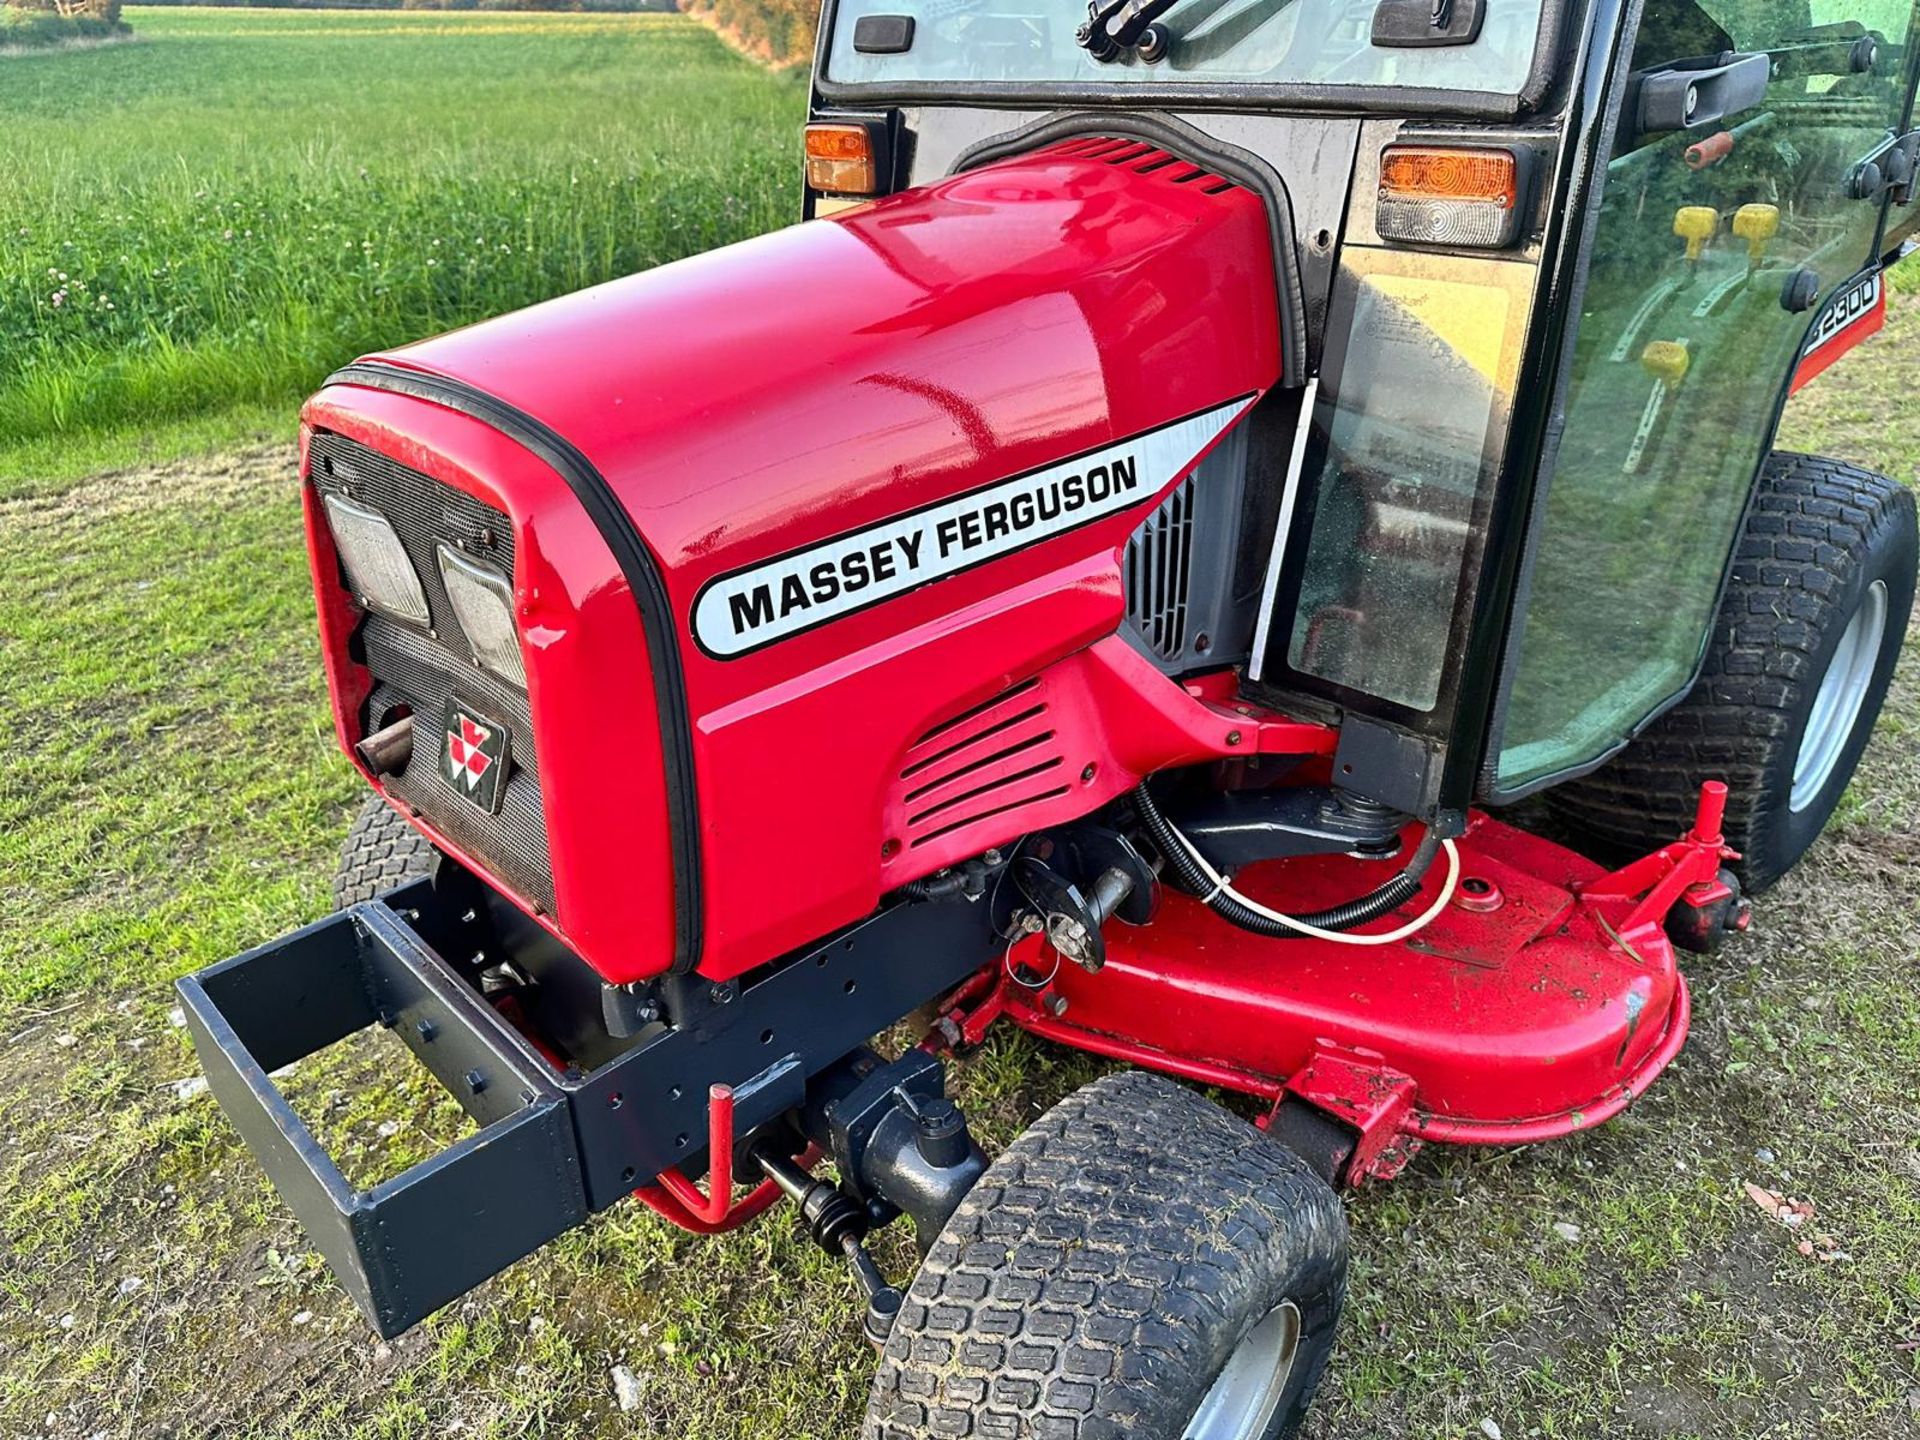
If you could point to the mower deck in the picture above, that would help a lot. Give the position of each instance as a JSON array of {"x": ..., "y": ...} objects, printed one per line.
[{"x": 1542, "y": 1000}]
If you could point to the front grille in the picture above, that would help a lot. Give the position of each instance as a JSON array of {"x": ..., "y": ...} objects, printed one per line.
[{"x": 420, "y": 668}]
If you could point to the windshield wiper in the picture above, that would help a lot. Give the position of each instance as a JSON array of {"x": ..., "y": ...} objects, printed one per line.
[{"x": 1116, "y": 25}]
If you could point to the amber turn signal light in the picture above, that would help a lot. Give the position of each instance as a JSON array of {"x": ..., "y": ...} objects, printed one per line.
[
  {"x": 840, "y": 160},
  {"x": 1445, "y": 195}
]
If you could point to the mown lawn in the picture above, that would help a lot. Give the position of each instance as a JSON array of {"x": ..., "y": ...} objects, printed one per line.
[
  {"x": 195, "y": 227},
  {"x": 169, "y": 794}
]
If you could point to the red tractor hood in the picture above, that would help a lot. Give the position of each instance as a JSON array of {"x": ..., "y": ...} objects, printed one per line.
[
  {"x": 811, "y": 382},
  {"x": 833, "y": 437}
]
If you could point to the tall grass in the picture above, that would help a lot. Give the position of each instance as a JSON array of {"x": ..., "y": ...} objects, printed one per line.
[{"x": 215, "y": 216}]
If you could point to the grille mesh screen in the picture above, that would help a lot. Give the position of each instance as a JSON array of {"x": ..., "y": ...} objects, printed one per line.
[{"x": 421, "y": 668}]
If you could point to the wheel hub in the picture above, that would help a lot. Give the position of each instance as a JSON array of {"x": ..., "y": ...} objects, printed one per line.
[
  {"x": 1836, "y": 705},
  {"x": 1242, "y": 1402}
]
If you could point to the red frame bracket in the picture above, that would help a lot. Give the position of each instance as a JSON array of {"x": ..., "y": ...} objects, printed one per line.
[
  {"x": 1647, "y": 889},
  {"x": 678, "y": 1199},
  {"x": 1358, "y": 1088}
]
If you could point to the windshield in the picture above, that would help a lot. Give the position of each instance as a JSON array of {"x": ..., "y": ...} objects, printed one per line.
[{"x": 1293, "y": 42}]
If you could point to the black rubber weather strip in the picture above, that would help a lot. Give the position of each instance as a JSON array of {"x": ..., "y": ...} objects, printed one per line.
[
  {"x": 642, "y": 572},
  {"x": 1196, "y": 147}
]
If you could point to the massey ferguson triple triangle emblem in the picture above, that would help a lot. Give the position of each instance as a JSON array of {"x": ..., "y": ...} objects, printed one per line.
[{"x": 473, "y": 756}]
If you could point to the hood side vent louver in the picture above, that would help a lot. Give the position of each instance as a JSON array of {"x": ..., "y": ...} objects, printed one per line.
[
  {"x": 984, "y": 762},
  {"x": 1159, "y": 571},
  {"x": 1178, "y": 568},
  {"x": 1144, "y": 159}
]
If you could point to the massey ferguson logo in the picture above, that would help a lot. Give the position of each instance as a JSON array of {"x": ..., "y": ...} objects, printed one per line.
[
  {"x": 742, "y": 611},
  {"x": 473, "y": 756}
]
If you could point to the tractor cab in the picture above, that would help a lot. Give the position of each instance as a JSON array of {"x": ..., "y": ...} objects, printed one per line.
[
  {"x": 1110, "y": 571},
  {"x": 1549, "y": 275}
]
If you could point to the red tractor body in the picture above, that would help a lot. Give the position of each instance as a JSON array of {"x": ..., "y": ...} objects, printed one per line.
[{"x": 1101, "y": 572}]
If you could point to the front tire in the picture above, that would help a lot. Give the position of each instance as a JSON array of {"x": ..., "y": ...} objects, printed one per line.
[
  {"x": 1802, "y": 652},
  {"x": 1138, "y": 1263},
  {"x": 381, "y": 851}
]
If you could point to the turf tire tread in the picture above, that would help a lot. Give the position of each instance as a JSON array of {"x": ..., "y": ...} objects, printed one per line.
[
  {"x": 1100, "y": 1265},
  {"x": 1814, "y": 520},
  {"x": 381, "y": 851}
]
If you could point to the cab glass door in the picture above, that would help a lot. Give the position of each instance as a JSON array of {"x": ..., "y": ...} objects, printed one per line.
[{"x": 1729, "y": 216}]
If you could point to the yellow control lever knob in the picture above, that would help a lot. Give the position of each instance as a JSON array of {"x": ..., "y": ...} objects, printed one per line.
[
  {"x": 1666, "y": 360},
  {"x": 1756, "y": 224},
  {"x": 1695, "y": 224}
]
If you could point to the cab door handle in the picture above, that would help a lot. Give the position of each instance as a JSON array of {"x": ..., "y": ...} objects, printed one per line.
[{"x": 1699, "y": 90}]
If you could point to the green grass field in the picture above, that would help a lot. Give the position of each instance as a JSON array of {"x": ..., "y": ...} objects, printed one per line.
[
  {"x": 199, "y": 225},
  {"x": 169, "y": 794}
]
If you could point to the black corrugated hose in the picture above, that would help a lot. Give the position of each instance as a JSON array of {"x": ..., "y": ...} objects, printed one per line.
[{"x": 1396, "y": 892}]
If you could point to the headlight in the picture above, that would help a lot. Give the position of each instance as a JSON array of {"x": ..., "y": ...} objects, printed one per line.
[
  {"x": 375, "y": 561},
  {"x": 482, "y": 600}
]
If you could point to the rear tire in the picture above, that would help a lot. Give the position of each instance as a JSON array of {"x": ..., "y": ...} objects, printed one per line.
[
  {"x": 1802, "y": 652},
  {"x": 1137, "y": 1255},
  {"x": 381, "y": 851}
]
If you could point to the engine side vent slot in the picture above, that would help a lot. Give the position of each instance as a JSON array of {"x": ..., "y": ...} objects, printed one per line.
[
  {"x": 996, "y": 757},
  {"x": 1159, "y": 568},
  {"x": 1178, "y": 568}
]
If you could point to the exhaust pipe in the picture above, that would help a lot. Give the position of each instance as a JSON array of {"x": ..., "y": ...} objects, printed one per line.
[{"x": 387, "y": 751}]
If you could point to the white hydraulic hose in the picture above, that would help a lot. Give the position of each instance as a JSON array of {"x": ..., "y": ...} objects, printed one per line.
[{"x": 1339, "y": 937}]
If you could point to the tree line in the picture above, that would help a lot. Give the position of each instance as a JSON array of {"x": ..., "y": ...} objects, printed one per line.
[
  {"x": 778, "y": 31},
  {"x": 574, "y": 6}
]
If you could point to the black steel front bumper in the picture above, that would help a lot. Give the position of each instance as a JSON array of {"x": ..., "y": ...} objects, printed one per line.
[
  {"x": 412, "y": 1243},
  {"x": 554, "y": 1145}
]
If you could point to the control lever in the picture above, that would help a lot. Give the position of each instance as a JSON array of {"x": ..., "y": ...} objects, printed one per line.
[
  {"x": 1667, "y": 361},
  {"x": 1696, "y": 225},
  {"x": 1756, "y": 224},
  {"x": 1719, "y": 145},
  {"x": 838, "y": 1224}
]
